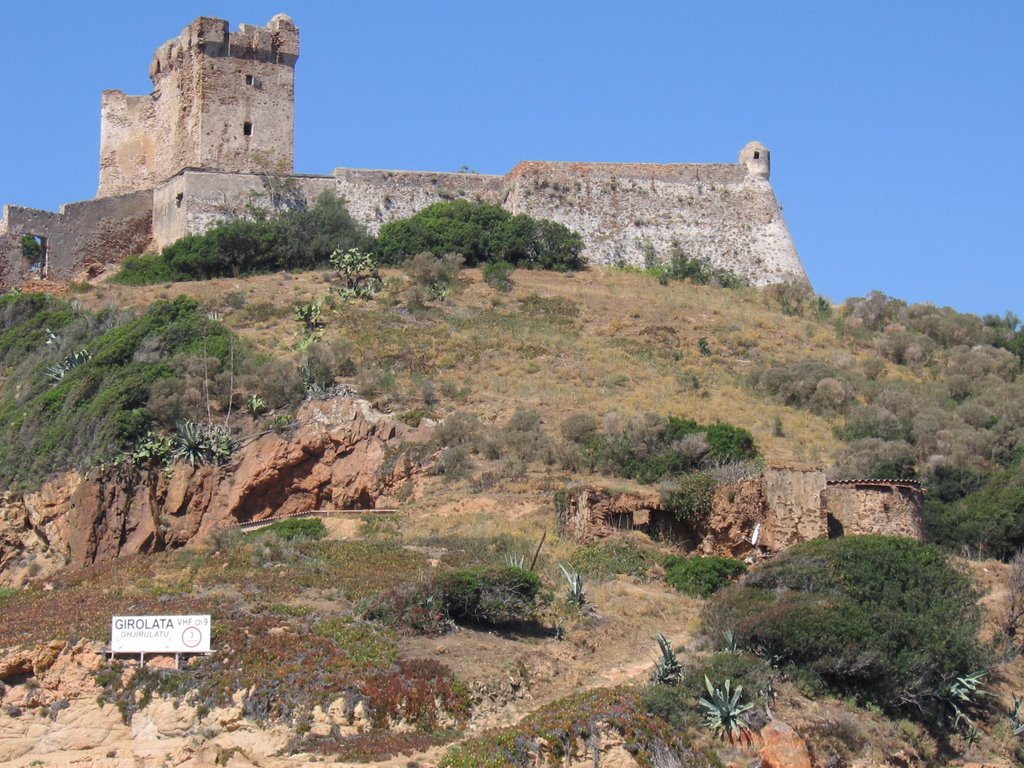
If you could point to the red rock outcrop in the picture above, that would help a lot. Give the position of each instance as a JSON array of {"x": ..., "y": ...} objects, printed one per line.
[
  {"x": 341, "y": 456},
  {"x": 783, "y": 747}
]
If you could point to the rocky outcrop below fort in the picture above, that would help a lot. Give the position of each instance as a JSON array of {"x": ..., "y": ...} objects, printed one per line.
[{"x": 342, "y": 454}]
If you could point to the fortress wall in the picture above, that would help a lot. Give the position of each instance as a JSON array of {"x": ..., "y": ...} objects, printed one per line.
[
  {"x": 194, "y": 200},
  {"x": 715, "y": 212},
  {"x": 889, "y": 509},
  {"x": 377, "y": 197},
  {"x": 94, "y": 232}
]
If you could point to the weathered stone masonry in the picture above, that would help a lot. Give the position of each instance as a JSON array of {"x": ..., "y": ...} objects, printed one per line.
[
  {"x": 759, "y": 515},
  {"x": 219, "y": 125}
]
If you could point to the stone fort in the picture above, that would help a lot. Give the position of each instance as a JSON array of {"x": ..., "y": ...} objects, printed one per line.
[{"x": 217, "y": 134}]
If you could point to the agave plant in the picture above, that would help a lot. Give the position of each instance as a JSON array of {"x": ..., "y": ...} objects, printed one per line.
[
  {"x": 723, "y": 712},
  {"x": 53, "y": 339},
  {"x": 514, "y": 560},
  {"x": 729, "y": 642},
  {"x": 959, "y": 695},
  {"x": 57, "y": 371},
  {"x": 577, "y": 595},
  {"x": 202, "y": 444},
  {"x": 255, "y": 405},
  {"x": 1016, "y": 714},
  {"x": 667, "y": 670}
]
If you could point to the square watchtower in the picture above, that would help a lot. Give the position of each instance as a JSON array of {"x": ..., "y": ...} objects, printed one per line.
[{"x": 221, "y": 101}]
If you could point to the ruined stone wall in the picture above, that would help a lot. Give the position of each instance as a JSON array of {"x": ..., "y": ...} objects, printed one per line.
[
  {"x": 221, "y": 100},
  {"x": 794, "y": 499},
  {"x": 718, "y": 213},
  {"x": 93, "y": 235},
  {"x": 377, "y": 197},
  {"x": 128, "y": 143},
  {"x": 889, "y": 508},
  {"x": 739, "y": 511},
  {"x": 589, "y": 513}
]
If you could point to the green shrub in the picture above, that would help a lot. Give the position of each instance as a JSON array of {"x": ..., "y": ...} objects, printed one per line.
[
  {"x": 702, "y": 576},
  {"x": 294, "y": 239},
  {"x": 487, "y": 595},
  {"x": 493, "y": 595},
  {"x": 603, "y": 561},
  {"x": 886, "y": 620},
  {"x": 295, "y": 529},
  {"x": 481, "y": 233},
  {"x": 690, "y": 497},
  {"x": 498, "y": 275},
  {"x": 652, "y": 448},
  {"x": 983, "y": 515},
  {"x": 728, "y": 443},
  {"x": 100, "y": 408},
  {"x": 681, "y": 267},
  {"x": 432, "y": 278}
]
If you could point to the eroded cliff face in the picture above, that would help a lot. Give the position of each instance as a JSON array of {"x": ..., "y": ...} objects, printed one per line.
[{"x": 343, "y": 455}]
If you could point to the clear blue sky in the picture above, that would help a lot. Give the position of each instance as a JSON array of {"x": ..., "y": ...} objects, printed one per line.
[{"x": 895, "y": 127}]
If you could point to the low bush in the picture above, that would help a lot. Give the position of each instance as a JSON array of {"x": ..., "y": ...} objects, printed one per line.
[
  {"x": 702, "y": 576},
  {"x": 885, "y": 620},
  {"x": 482, "y": 234},
  {"x": 295, "y": 529},
  {"x": 652, "y": 448},
  {"x": 498, "y": 275},
  {"x": 293, "y": 239},
  {"x": 490, "y": 595},
  {"x": 604, "y": 561},
  {"x": 690, "y": 497},
  {"x": 432, "y": 278},
  {"x": 486, "y": 595}
]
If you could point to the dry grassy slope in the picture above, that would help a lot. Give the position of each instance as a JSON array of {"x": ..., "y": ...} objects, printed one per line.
[{"x": 632, "y": 348}]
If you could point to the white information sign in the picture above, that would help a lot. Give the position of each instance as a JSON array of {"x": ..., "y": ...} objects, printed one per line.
[{"x": 160, "y": 634}]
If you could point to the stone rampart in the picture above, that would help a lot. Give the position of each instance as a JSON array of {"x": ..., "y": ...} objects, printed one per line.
[
  {"x": 636, "y": 213},
  {"x": 376, "y": 197},
  {"x": 194, "y": 200}
]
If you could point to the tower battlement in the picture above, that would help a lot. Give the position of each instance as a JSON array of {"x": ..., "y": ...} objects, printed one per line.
[{"x": 276, "y": 43}]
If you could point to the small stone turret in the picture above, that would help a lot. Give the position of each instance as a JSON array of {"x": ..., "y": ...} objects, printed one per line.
[{"x": 757, "y": 160}]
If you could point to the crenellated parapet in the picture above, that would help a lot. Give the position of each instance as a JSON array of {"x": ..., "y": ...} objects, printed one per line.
[{"x": 276, "y": 43}]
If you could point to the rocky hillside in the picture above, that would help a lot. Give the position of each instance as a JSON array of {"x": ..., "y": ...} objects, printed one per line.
[{"x": 437, "y": 616}]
